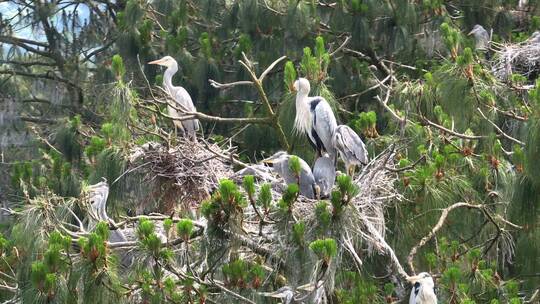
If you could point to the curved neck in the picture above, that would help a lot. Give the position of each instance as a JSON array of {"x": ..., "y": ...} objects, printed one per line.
[
  {"x": 302, "y": 121},
  {"x": 169, "y": 73}
]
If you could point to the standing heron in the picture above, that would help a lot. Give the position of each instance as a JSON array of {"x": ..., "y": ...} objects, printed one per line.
[
  {"x": 350, "y": 147},
  {"x": 180, "y": 96},
  {"x": 315, "y": 118},
  {"x": 481, "y": 37},
  {"x": 423, "y": 289},
  {"x": 280, "y": 163},
  {"x": 324, "y": 173}
]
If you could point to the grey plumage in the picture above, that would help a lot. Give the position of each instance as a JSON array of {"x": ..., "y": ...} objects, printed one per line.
[
  {"x": 350, "y": 147},
  {"x": 481, "y": 37},
  {"x": 315, "y": 118},
  {"x": 280, "y": 163},
  {"x": 324, "y": 172}
]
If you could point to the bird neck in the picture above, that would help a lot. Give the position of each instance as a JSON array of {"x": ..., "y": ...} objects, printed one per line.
[
  {"x": 302, "y": 121},
  {"x": 169, "y": 73}
]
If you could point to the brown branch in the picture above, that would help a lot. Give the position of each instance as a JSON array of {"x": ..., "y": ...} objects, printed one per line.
[{"x": 436, "y": 228}]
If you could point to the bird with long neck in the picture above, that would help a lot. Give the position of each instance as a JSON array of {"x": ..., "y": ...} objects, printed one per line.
[
  {"x": 315, "y": 118},
  {"x": 180, "y": 96}
]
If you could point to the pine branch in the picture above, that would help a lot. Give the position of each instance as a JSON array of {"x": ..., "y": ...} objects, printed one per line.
[{"x": 436, "y": 228}]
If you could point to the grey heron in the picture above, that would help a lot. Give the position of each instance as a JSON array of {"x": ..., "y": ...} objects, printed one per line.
[
  {"x": 180, "y": 96},
  {"x": 423, "y": 289},
  {"x": 280, "y": 163},
  {"x": 350, "y": 147},
  {"x": 315, "y": 118},
  {"x": 481, "y": 37},
  {"x": 324, "y": 173}
]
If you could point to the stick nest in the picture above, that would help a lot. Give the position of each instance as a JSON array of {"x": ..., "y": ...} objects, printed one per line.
[
  {"x": 190, "y": 170},
  {"x": 522, "y": 58}
]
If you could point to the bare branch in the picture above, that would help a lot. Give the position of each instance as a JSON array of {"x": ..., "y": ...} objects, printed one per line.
[
  {"x": 436, "y": 228},
  {"x": 218, "y": 85},
  {"x": 270, "y": 67},
  {"x": 499, "y": 129}
]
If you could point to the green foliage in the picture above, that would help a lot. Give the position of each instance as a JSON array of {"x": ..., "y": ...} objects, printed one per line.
[
  {"x": 299, "y": 230},
  {"x": 289, "y": 198},
  {"x": 249, "y": 185},
  {"x": 289, "y": 75},
  {"x": 325, "y": 249},
  {"x": 265, "y": 196},
  {"x": 117, "y": 65},
  {"x": 295, "y": 166},
  {"x": 185, "y": 228}
]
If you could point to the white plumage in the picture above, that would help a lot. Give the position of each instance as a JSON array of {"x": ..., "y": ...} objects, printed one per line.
[
  {"x": 423, "y": 291},
  {"x": 315, "y": 118},
  {"x": 180, "y": 96}
]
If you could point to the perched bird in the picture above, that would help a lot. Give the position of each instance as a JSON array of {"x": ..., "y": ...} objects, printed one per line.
[
  {"x": 350, "y": 147},
  {"x": 324, "y": 173},
  {"x": 423, "y": 289},
  {"x": 481, "y": 37},
  {"x": 280, "y": 163},
  {"x": 315, "y": 118},
  {"x": 180, "y": 96}
]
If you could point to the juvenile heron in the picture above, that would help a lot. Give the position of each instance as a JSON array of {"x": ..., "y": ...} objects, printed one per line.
[
  {"x": 350, "y": 147},
  {"x": 280, "y": 163},
  {"x": 423, "y": 289},
  {"x": 315, "y": 118},
  {"x": 324, "y": 173},
  {"x": 481, "y": 37},
  {"x": 180, "y": 96}
]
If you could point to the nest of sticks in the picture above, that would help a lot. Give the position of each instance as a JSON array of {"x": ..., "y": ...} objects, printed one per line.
[
  {"x": 188, "y": 172},
  {"x": 522, "y": 58}
]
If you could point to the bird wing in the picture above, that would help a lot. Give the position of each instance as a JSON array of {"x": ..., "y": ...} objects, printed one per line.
[
  {"x": 349, "y": 143},
  {"x": 324, "y": 173},
  {"x": 323, "y": 122},
  {"x": 184, "y": 101}
]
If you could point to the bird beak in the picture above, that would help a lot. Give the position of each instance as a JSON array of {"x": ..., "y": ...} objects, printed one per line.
[
  {"x": 293, "y": 88},
  {"x": 470, "y": 33},
  {"x": 413, "y": 279},
  {"x": 159, "y": 61},
  {"x": 268, "y": 161}
]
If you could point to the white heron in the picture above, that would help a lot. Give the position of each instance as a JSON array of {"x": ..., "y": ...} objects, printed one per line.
[
  {"x": 324, "y": 173},
  {"x": 481, "y": 37},
  {"x": 180, "y": 96},
  {"x": 423, "y": 289},
  {"x": 315, "y": 118},
  {"x": 350, "y": 147},
  {"x": 280, "y": 163}
]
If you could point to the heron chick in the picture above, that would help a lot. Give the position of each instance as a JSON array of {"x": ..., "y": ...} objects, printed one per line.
[
  {"x": 350, "y": 147},
  {"x": 180, "y": 96},
  {"x": 324, "y": 172},
  {"x": 280, "y": 163}
]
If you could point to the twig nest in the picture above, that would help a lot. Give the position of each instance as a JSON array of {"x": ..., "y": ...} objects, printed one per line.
[
  {"x": 522, "y": 58},
  {"x": 187, "y": 172}
]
